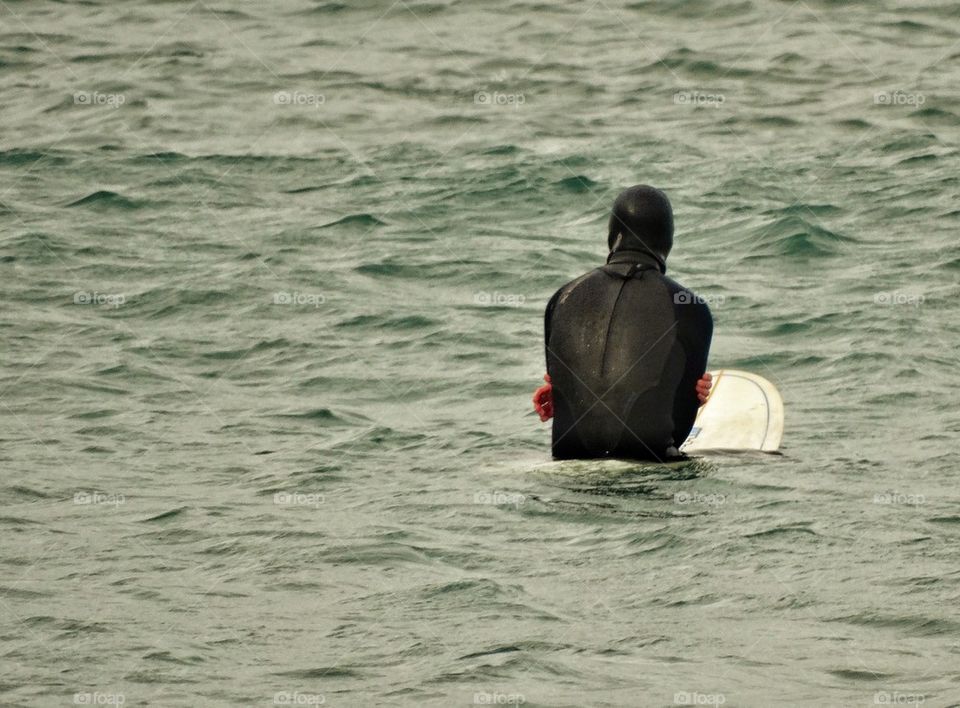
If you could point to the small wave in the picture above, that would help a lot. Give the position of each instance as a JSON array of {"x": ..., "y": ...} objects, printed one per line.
[
  {"x": 476, "y": 589},
  {"x": 528, "y": 645},
  {"x": 577, "y": 184},
  {"x": 163, "y": 516},
  {"x": 360, "y": 180},
  {"x": 913, "y": 141},
  {"x": 320, "y": 672},
  {"x": 18, "y": 521},
  {"x": 21, "y": 594},
  {"x": 788, "y": 328},
  {"x": 30, "y": 37},
  {"x": 324, "y": 8},
  {"x": 332, "y": 382},
  {"x": 149, "y": 677},
  {"x": 936, "y": 114},
  {"x": 426, "y": 8},
  {"x": 15, "y": 157},
  {"x": 793, "y": 236},
  {"x": 319, "y": 42},
  {"x": 33, "y": 246},
  {"x": 178, "y": 49},
  {"x": 20, "y": 491},
  {"x": 169, "y": 657},
  {"x": 242, "y": 352},
  {"x": 775, "y": 121},
  {"x": 787, "y": 530},
  {"x": 789, "y": 59},
  {"x": 227, "y": 354},
  {"x": 381, "y": 436},
  {"x": 501, "y": 150},
  {"x": 695, "y": 64},
  {"x": 457, "y": 119},
  {"x": 859, "y": 675},
  {"x": 325, "y": 415},
  {"x": 18, "y": 64},
  {"x": 853, "y": 124},
  {"x": 307, "y": 190},
  {"x": 911, "y": 26},
  {"x": 106, "y": 199},
  {"x": 162, "y": 302},
  {"x": 382, "y": 322},
  {"x": 697, "y": 9},
  {"x": 908, "y": 625},
  {"x": 164, "y": 157},
  {"x": 105, "y": 56},
  {"x": 919, "y": 159},
  {"x": 892, "y": 398},
  {"x": 355, "y": 220},
  {"x": 94, "y": 414}
]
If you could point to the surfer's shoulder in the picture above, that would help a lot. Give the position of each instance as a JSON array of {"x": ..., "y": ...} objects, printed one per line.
[{"x": 564, "y": 292}]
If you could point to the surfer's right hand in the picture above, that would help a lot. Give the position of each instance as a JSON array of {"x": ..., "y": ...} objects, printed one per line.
[{"x": 543, "y": 400}]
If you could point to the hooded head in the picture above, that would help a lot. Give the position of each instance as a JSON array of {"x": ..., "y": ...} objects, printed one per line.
[{"x": 642, "y": 220}]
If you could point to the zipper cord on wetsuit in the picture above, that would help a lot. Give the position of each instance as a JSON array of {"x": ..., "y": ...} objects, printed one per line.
[{"x": 636, "y": 268}]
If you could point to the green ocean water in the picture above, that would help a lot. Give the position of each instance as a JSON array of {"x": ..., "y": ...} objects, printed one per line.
[{"x": 272, "y": 278}]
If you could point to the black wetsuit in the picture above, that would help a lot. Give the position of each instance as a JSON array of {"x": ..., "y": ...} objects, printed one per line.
[{"x": 625, "y": 348}]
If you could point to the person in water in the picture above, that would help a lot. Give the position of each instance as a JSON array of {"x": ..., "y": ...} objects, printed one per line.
[{"x": 626, "y": 346}]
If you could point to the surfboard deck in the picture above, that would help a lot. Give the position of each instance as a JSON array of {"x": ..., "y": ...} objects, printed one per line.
[{"x": 744, "y": 412}]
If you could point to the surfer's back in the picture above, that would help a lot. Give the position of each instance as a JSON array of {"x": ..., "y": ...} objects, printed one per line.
[{"x": 625, "y": 347}]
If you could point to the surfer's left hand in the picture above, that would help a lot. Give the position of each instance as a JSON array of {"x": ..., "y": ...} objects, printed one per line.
[{"x": 703, "y": 387}]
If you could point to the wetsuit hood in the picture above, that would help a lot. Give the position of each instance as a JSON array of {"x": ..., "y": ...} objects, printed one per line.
[{"x": 642, "y": 222}]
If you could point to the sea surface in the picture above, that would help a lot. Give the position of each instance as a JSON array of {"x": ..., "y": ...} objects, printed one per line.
[{"x": 272, "y": 277}]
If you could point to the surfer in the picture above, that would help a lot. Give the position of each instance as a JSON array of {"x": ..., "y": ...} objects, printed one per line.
[{"x": 626, "y": 346}]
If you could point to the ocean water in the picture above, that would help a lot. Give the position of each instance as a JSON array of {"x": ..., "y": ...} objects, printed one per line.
[{"x": 272, "y": 278}]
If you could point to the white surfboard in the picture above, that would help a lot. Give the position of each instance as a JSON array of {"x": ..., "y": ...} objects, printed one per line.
[{"x": 744, "y": 412}]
